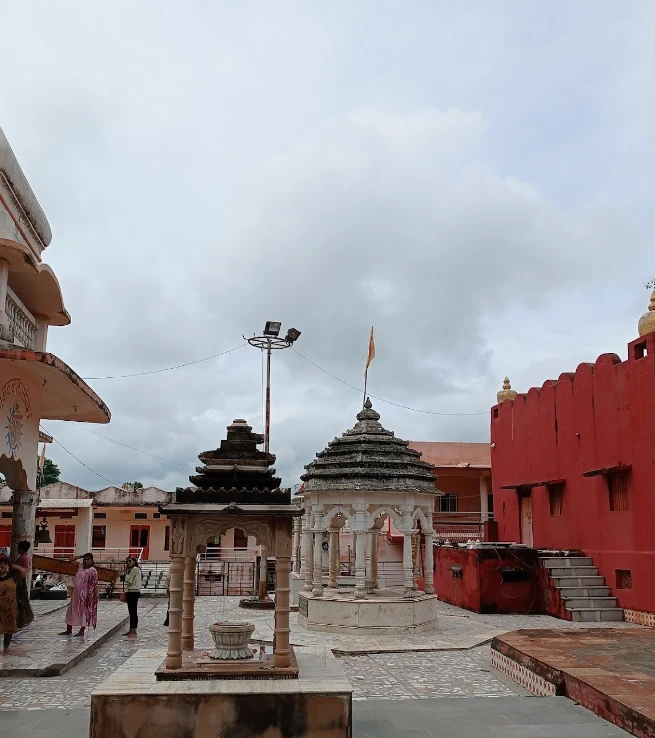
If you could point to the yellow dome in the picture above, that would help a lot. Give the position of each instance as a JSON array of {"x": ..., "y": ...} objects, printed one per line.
[
  {"x": 506, "y": 393},
  {"x": 647, "y": 320}
]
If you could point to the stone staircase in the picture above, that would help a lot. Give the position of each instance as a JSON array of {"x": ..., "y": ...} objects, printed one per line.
[{"x": 582, "y": 589}]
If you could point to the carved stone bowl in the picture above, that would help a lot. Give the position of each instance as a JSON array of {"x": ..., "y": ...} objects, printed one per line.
[{"x": 231, "y": 640}]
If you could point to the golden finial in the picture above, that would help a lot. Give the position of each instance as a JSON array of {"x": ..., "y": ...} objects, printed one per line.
[
  {"x": 506, "y": 393},
  {"x": 647, "y": 320}
]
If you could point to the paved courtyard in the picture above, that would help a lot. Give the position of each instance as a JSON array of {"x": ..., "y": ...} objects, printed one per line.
[{"x": 384, "y": 671}]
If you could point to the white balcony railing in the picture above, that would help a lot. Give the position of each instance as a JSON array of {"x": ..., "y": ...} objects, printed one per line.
[{"x": 20, "y": 325}]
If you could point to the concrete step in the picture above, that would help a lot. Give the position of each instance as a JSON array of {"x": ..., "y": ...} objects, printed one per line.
[
  {"x": 594, "y": 603},
  {"x": 571, "y": 581},
  {"x": 599, "y": 591},
  {"x": 559, "y": 562},
  {"x": 589, "y": 615},
  {"x": 574, "y": 571}
]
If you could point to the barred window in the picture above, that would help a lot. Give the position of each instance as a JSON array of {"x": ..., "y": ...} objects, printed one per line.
[
  {"x": 617, "y": 485},
  {"x": 556, "y": 498},
  {"x": 449, "y": 503},
  {"x": 623, "y": 579}
]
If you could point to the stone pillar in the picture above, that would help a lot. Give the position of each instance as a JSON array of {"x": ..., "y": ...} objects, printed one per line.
[
  {"x": 188, "y": 602},
  {"x": 83, "y": 531},
  {"x": 408, "y": 564},
  {"x": 174, "y": 653},
  {"x": 296, "y": 544},
  {"x": 317, "y": 589},
  {"x": 309, "y": 558},
  {"x": 334, "y": 557},
  {"x": 281, "y": 651},
  {"x": 428, "y": 562},
  {"x": 374, "y": 559},
  {"x": 360, "y": 563},
  {"x": 23, "y": 523},
  {"x": 303, "y": 545},
  {"x": 369, "y": 562},
  {"x": 484, "y": 499},
  {"x": 263, "y": 573}
]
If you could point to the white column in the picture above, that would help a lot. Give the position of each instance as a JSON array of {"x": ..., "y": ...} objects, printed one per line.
[
  {"x": 369, "y": 561},
  {"x": 428, "y": 562},
  {"x": 317, "y": 588},
  {"x": 4, "y": 322},
  {"x": 360, "y": 563},
  {"x": 334, "y": 557},
  {"x": 296, "y": 544},
  {"x": 303, "y": 544},
  {"x": 41, "y": 333},
  {"x": 408, "y": 563},
  {"x": 374, "y": 559},
  {"x": 309, "y": 558},
  {"x": 484, "y": 499},
  {"x": 263, "y": 572},
  {"x": 83, "y": 531}
]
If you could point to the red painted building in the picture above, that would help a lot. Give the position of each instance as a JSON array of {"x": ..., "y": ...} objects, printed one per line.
[{"x": 574, "y": 468}]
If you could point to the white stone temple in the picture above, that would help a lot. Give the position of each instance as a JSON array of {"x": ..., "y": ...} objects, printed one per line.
[{"x": 358, "y": 481}]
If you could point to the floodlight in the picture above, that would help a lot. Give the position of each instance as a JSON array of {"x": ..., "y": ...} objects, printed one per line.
[
  {"x": 272, "y": 328},
  {"x": 292, "y": 335}
]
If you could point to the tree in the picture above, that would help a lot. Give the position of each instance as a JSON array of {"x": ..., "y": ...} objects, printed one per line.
[
  {"x": 650, "y": 285},
  {"x": 134, "y": 486},
  {"x": 49, "y": 475}
]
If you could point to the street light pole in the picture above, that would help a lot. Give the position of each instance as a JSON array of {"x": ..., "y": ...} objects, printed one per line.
[
  {"x": 267, "y": 431},
  {"x": 269, "y": 342}
]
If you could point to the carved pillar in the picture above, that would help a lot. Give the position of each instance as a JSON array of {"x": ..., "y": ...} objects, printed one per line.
[
  {"x": 428, "y": 563},
  {"x": 309, "y": 558},
  {"x": 374, "y": 559},
  {"x": 317, "y": 589},
  {"x": 263, "y": 573},
  {"x": 281, "y": 651},
  {"x": 369, "y": 562},
  {"x": 188, "y": 602},
  {"x": 334, "y": 557},
  {"x": 360, "y": 563},
  {"x": 23, "y": 523},
  {"x": 174, "y": 653},
  {"x": 303, "y": 545},
  {"x": 408, "y": 563},
  {"x": 296, "y": 544}
]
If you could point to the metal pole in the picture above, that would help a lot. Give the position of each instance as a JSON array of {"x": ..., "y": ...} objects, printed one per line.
[{"x": 267, "y": 434}]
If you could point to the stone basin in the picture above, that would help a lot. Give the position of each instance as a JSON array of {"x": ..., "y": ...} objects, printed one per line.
[{"x": 231, "y": 640}]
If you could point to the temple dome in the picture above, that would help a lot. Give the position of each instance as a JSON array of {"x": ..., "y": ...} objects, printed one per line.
[{"x": 368, "y": 457}]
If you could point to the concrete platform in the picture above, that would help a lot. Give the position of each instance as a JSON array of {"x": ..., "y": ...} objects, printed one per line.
[
  {"x": 384, "y": 612},
  {"x": 610, "y": 671},
  {"x": 131, "y": 702},
  {"x": 38, "y": 650}
]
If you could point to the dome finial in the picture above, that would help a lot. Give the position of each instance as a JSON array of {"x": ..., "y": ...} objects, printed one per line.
[
  {"x": 506, "y": 393},
  {"x": 647, "y": 320}
]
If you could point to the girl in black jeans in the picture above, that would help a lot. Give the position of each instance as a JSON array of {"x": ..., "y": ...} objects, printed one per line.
[{"x": 132, "y": 592}]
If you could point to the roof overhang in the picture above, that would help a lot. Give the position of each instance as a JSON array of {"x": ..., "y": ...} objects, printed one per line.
[
  {"x": 210, "y": 509},
  {"x": 63, "y": 503},
  {"x": 66, "y": 396},
  {"x": 35, "y": 283}
]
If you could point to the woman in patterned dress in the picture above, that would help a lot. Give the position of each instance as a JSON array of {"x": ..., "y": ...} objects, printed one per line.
[
  {"x": 83, "y": 608},
  {"x": 11, "y": 576}
]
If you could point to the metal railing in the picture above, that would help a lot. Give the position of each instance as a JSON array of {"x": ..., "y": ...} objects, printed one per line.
[
  {"x": 20, "y": 322},
  {"x": 100, "y": 555},
  {"x": 222, "y": 578},
  {"x": 458, "y": 531},
  {"x": 55, "y": 552},
  {"x": 229, "y": 554}
]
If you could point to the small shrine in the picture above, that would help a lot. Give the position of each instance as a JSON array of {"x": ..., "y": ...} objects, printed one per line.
[
  {"x": 360, "y": 480},
  {"x": 235, "y": 487},
  {"x": 186, "y": 693}
]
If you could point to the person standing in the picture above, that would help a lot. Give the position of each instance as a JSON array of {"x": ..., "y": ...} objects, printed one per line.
[
  {"x": 14, "y": 613},
  {"x": 132, "y": 592},
  {"x": 23, "y": 559},
  {"x": 82, "y": 610}
]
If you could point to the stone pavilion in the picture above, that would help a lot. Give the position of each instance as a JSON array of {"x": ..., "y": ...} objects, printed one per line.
[{"x": 360, "y": 480}]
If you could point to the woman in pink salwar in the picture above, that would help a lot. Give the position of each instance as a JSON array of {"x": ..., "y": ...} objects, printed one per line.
[{"x": 83, "y": 608}]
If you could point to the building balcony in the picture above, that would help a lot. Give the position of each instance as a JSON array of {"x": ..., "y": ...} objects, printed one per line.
[{"x": 19, "y": 326}]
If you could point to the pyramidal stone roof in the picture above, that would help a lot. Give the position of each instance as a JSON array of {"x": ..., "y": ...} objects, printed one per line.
[{"x": 368, "y": 457}]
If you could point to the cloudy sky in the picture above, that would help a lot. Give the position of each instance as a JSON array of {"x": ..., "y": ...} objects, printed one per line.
[{"x": 474, "y": 179}]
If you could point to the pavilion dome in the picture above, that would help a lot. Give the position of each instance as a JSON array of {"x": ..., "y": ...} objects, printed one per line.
[{"x": 368, "y": 457}]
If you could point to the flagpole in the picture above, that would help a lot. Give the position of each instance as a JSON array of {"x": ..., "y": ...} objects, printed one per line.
[{"x": 365, "y": 383}]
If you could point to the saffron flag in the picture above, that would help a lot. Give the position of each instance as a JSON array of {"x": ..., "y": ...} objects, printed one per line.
[{"x": 371, "y": 350}]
